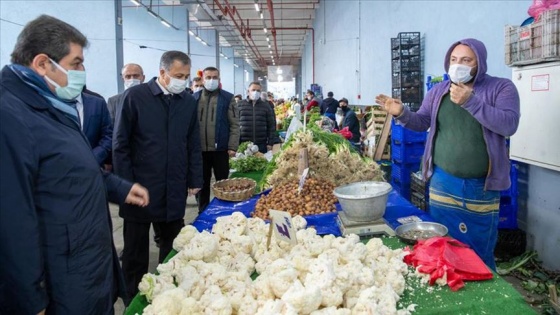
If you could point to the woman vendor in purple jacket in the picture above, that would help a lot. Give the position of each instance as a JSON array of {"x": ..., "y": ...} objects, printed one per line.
[{"x": 465, "y": 158}]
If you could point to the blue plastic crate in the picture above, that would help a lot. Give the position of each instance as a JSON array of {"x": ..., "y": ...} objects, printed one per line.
[
  {"x": 401, "y": 172},
  {"x": 512, "y": 191},
  {"x": 508, "y": 217},
  {"x": 402, "y": 189},
  {"x": 407, "y": 153},
  {"x": 402, "y": 135}
]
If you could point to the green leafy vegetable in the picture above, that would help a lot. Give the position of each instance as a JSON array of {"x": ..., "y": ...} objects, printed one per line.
[
  {"x": 248, "y": 164},
  {"x": 243, "y": 146},
  {"x": 516, "y": 263}
]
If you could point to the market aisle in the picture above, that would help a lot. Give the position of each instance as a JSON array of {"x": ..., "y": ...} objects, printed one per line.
[{"x": 190, "y": 214}]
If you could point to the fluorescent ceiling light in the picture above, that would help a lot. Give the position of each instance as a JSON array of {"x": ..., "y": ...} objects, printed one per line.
[
  {"x": 150, "y": 12},
  {"x": 257, "y": 6},
  {"x": 264, "y": 29},
  {"x": 280, "y": 78},
  {"x": 279, "y": 70},
  {"x": 271, "y": 52},
  {"x": 198, "y": 38},
  {"x": 135, "y": 2},
  {"x": 268, "y": 45},
  {"x": 226, "y": 57},
  {"x": 262, "y": 16},
  {"x": 267, "y": 39},
  {"x": 222, "y": 54},
  {"x": 236, "y": 65},
  {"x": 164, "y": 22},
  {"x": 191, "y": 33},
  {"x": 204, "y": 43}
]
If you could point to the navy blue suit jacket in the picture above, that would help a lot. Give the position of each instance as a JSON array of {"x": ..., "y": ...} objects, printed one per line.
[{"x": 97, "y": 126}]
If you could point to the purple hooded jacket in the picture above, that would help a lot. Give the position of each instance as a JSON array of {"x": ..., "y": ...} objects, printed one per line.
[{"x": 494, "y": 104}]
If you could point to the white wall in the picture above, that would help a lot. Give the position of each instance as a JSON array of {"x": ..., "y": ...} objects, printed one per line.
[
  {"x": 141, "y": 29},
  {"x": 352, "y": 39},
  {"x": 100, "y": 60}
]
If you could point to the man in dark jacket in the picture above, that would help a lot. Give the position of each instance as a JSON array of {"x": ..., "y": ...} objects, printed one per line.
[
  {"x": 96, "y": 125},
  {"x": 56, "y": 254},
  {"x": 350, "y": 120},
  {"x": 219, "y": 131},
  {"x": 157, "y": 143},
  {"x": 329, "y": 106},
  {"x": 256, "y": 120}
]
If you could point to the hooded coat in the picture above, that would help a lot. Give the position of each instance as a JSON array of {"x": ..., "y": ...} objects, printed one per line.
[{"x": 494, "y": 104}]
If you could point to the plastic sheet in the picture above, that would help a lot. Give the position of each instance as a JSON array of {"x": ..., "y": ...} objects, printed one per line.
[
  {"x": 397, "y": 207},
  {"x": 438, "y": 256}
]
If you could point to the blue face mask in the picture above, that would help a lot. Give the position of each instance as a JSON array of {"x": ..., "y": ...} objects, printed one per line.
[{"x": 76, "y": 82}]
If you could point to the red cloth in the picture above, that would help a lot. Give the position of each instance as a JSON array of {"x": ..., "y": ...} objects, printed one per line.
[
  {"x": 311, "y": 104},
  {"x": 439, "y": 255}
]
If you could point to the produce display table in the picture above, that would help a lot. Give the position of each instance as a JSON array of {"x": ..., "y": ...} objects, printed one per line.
[{"x": 494, "y": 296}]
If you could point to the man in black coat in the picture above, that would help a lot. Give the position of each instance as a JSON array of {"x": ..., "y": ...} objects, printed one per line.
[
  {"x": 56, "y": 250},
  {"x": 157, "y": 143},
  {"x": 350, "y": 120},
  {"x": 256, "y": 120},
  {"x": 329, "y": 106}
]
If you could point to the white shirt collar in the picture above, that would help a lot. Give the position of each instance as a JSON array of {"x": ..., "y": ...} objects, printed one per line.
[{"x": 163, "y": 89}]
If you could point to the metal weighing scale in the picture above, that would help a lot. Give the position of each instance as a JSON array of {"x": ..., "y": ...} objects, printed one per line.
[{"x": 363, "y": 229}]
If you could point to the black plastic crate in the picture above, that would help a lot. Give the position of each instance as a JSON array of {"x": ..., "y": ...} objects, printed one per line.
[
  {"x": 411, "y": 79},
  {"x": 411, "y": 63},
  {"x": 418, "y": 200},
  {"x": 411, "y": 94},
  {"x": 407, "y": 39},
  {"x": 417, "y": 184}
]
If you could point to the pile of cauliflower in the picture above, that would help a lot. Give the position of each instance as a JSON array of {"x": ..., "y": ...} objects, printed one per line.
[{"x": 211, "y": 273}]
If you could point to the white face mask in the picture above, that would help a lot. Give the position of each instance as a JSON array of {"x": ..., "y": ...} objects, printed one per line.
[
  {"x": 196, "y": 89},
  {"x": 460, "y": 73},
  {"x": 176, "y": 86},
  {"x": 211, "y": 85},
  {"x": 74, "y": 86},
  {"x": 263, "y": 96},
  {"x": 130, "y": 83},
  {"x": 255, "y": 95}
]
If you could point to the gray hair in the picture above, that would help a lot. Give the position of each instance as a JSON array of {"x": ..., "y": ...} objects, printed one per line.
[
  {"x": 171, "y": 56},
  {"x": 46, "y": 35}
]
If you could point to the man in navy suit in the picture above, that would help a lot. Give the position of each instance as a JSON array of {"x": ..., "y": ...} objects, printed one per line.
[{"x": 96, "y": 124}]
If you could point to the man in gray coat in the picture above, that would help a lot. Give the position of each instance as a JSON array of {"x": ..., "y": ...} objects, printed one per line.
[{"x": 132, "y": 75}]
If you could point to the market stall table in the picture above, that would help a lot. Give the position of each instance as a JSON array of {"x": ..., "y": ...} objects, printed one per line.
[{"x": 494, "y": 296}]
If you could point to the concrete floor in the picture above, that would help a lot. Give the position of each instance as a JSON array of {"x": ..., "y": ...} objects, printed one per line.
[{"x": 190, "y": 215}]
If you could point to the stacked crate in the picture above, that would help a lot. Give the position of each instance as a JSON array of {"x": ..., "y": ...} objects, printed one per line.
[
  {"x": 374, "y": 126},
  {"x": 508, "y": 202},
  {"x": 419, "y": 191},
  {"x": 407, "y": 149},
  {"x": 407, "y": 146},
  {"x": 406, "y": 66}
]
